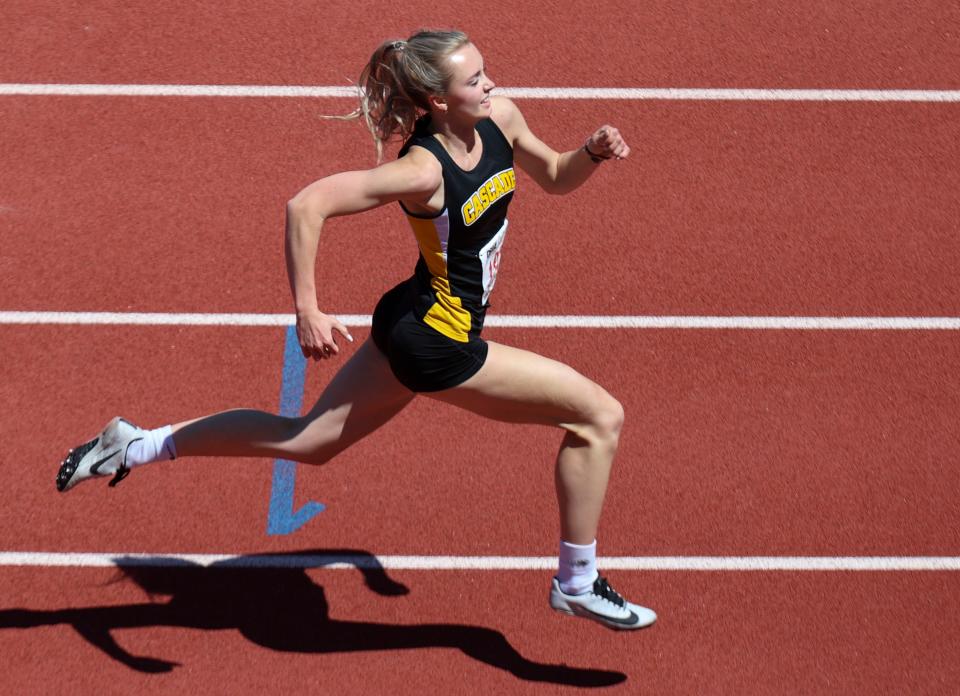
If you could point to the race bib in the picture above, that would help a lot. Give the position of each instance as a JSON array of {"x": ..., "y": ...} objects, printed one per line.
[{"x": 490, "y": 261}]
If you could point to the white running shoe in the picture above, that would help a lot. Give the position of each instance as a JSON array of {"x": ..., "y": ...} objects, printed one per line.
[
  {"x": 603, "y": 605},
  {"x": 102, "y": 456}
]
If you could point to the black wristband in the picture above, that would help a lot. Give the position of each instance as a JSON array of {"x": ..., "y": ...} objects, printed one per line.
[{"x": 594, "y": 158}]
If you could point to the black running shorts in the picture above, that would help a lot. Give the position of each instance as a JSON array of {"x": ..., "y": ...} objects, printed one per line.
[{"x": 422, "y": 358}]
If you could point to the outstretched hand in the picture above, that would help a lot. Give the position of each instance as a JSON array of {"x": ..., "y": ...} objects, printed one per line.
[
  {"x": 315, "y": 333},
  {"x": 607, "y": 143}
]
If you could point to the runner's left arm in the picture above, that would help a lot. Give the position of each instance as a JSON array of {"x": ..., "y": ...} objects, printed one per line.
[{"x": 557, "y": 172}]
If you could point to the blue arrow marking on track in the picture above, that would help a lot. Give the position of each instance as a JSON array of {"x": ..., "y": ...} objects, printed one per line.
[{"x": 282, "y": 518}]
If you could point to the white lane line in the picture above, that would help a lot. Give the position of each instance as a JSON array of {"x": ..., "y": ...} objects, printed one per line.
[
  {"x": 338, "y": 561},
  {"x": 165, "y": 319},
  {"x": 507, "y": 320},
  {"x": 713, "y": 94},
  {"x": 624, "y": 93},
  {"x": 92, "y": 90}
]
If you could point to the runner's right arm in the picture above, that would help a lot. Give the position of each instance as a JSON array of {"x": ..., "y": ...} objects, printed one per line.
[{"x": 414, "y": 177}]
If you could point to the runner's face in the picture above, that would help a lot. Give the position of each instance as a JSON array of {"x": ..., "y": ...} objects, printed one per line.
[{"x": 468, "y": 94}]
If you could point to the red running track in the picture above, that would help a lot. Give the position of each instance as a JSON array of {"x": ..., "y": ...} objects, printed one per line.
[
  {"x": 277, "y": 631},
  {"x": 612, "y": 43},
  {"x": 736, "y": 443},
  {"x": 739, "y": 443},
  {"x": 767, "y": 209}
]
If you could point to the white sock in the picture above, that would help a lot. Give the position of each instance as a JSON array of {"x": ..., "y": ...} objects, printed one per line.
[
  {"x": 156, "y": 445},
  {"x": 578, "y": 567}
]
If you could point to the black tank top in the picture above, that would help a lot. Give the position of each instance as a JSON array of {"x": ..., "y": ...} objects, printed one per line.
[{"x": 460, "y": 246}]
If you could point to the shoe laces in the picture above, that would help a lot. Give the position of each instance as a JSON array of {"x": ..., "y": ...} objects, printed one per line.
[
  {"x": 122, "y": 471},
  {"x": 602, "y": 589}
]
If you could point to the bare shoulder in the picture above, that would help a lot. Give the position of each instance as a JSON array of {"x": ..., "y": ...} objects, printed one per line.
[
  {"x": 508, "y": 118},
  {"x": 423, "y": 169},
  {"x": 425, "y": 174}
]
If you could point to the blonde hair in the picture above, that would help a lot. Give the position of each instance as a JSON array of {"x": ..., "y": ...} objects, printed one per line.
[{"x": 399, "y": 78}]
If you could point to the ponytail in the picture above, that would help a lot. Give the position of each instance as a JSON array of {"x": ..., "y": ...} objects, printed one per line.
[{"x": 396, "y": 84}]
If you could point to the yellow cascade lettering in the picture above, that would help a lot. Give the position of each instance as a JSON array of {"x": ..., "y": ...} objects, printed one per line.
[{"x": 489, "y": 193}]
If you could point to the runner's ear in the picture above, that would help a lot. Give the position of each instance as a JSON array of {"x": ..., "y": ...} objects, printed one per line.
[{"x": 438, "y": 102}]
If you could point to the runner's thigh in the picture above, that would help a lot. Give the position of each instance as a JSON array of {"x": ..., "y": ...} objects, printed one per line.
[
  {"x": 360, "y": 398},
  {"x": 519, "y": 386}
]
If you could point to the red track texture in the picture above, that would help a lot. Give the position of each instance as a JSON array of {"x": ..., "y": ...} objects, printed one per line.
[
  {"x": 744, "y": 443},
  {"x": 329, "y": 632},
  {"x": 736, "y": 443},
  {"x": 612, "y": 43},
  {"x": 753, "y": 208}
]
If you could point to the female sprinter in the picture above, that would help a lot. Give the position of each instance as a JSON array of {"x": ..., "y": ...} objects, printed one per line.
[{"x": 454, "y": 179}]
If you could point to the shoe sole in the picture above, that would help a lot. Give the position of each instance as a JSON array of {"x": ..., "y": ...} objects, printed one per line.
[
  {"x": 559, "y": 604},
  {"x": 612, "y": 624}
]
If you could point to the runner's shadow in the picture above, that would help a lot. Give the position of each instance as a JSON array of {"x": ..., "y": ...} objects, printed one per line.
[{"x": 273, "y": 603}]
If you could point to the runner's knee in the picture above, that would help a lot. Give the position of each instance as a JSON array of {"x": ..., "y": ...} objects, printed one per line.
[
  {"x": 309, "y": 443},
  {"x": 602, "y": 421},
  {"x": 608, "y": 419}
]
